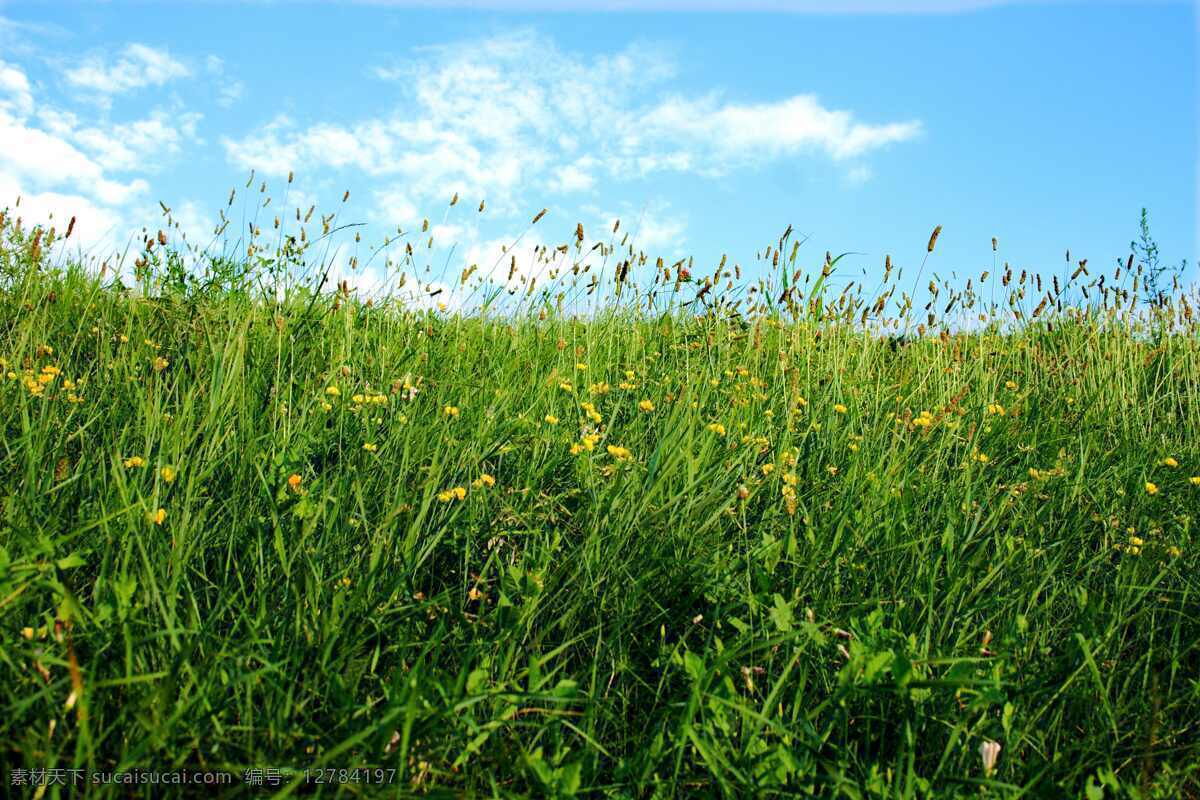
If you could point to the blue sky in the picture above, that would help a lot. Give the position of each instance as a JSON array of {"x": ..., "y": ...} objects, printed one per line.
[{"x": 1048, "y": 125}]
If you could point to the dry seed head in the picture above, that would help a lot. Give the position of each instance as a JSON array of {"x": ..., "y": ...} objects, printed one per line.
[
  {"x": 933, "y": 238},
  {"x": 538, "y": 216}
]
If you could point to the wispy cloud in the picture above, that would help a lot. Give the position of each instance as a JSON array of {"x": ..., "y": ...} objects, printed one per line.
[
  {"x": 499, "y": 117},
  {"x": 139, "y": 66},
  {"x": 229, "y": 90}
]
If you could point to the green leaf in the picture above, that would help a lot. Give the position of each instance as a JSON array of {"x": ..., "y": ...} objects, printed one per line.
[
  {"x": 781, "y": 614},
  {"x": 70, "y": 562}
]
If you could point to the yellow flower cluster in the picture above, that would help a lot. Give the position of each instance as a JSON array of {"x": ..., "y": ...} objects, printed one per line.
[
  {"x": 369, "y": 399},
  {"x": 586, "y": 444},
  {"x": 448, "y": 495},
  {"x": 591, "y": 412},
  {"x": 619, "y": 453}
]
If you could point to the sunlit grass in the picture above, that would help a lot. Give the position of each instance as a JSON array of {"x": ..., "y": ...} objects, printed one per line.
[{"x": 655, "y": 550}]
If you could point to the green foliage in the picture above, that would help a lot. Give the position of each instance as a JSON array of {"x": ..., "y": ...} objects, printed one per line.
[{"x": 828, "y": 565}]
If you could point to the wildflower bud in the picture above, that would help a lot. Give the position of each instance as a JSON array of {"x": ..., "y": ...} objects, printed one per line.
[{"x": 989, "y": 751}]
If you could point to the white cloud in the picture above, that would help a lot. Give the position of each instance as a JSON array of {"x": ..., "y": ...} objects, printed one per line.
[
  {"x": 61, "y": 166},
  {"x": 140, "y": 143},
  {"x": 500, "y": 117},
  {"x": 730, "y": 132},
  {"x": 229, "y": 91},
  {"x": 95, "y": 222},
  {"x": 140, "y": 66},
  {"x": 652, "y": 229},
  {"x": 16, "y": 96},
  {"x": 393, "y": 207},
  {"x": 574, "y": 177}
]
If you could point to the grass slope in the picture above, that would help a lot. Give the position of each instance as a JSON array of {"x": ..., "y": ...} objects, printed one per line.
[{"x": 626, "y": 556}]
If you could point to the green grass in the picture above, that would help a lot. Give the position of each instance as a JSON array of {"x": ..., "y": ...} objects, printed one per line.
[{"x": 842, "y": 604}]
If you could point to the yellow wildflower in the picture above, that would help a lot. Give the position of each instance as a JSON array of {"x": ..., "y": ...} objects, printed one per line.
[
  {"x": 619, "y": 453},
  {"x": 592, "y": 413},
  {"x": 456, "y": 493},
  {"x": 133, "y": 462},
  {"x": 168, "y": 474}
]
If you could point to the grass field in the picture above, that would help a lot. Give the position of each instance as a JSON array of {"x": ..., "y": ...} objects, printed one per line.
[{"x": 657, "y": 551}]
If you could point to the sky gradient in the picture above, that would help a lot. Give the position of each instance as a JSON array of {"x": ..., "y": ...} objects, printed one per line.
[{"x": 1047, "y": 125}]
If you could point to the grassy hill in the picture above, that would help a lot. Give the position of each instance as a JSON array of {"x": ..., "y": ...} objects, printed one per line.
[{"x": 628, "y": 554}]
